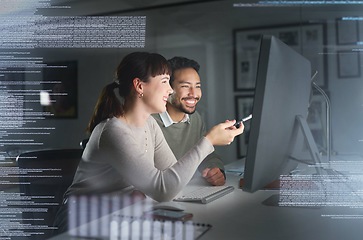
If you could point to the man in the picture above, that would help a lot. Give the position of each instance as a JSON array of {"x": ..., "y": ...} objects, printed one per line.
[{"x": 181, "y": 124}]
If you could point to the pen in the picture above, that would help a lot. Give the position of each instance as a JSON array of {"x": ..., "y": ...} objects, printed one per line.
[
  {"x": 238, "y": 124},
  {"x": 247, "y": 118}
]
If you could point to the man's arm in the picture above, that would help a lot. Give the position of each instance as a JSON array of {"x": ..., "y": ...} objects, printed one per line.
[
  {"x": 182, "y": 136},
  {"x": 212, "y": 169},
  {"x": 211, "y": 161}
]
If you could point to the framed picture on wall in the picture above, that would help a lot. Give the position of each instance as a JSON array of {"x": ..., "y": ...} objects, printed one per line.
[
  {"x": 243, "y": 105},
  {"x": 347, "y": 31},
  {"x": 307, "y": 39},
  {"x": 360, "y": 32},
  {"x": 60, "y": 90},
  {"x": 348, "y": 64}
]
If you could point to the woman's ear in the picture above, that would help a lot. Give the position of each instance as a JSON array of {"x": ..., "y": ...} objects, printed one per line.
[{"x": 138, "y": 85}]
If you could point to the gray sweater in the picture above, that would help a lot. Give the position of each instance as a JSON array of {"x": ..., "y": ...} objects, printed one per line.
[{"x": 121, "y": 157}]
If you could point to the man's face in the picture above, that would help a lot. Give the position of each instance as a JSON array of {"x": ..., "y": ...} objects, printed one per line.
[{"x": 187, "y": 90}]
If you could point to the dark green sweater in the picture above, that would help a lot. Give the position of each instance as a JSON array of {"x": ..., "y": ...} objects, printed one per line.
[{"x": 182, "y": 136}]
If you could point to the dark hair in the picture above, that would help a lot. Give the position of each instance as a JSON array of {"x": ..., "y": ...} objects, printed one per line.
[
  {"x": 142, "y": 65},
  {"x": 177, "y": 63}
]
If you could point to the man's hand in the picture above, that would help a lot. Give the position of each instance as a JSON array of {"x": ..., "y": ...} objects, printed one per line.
[{"x": 214, "y": 176}]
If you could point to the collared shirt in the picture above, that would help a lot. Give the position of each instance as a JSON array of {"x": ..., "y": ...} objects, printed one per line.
[{"x": 167, "y": 121}]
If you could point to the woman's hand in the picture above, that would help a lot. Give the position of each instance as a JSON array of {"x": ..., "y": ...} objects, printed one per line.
[{"x": 224, "y": 133}]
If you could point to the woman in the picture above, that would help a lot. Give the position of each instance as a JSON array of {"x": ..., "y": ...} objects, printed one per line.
[{"x": 127, "y": 150}]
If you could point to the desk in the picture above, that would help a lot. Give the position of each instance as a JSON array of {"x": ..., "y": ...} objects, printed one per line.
[{"x": 242, "y": 215}]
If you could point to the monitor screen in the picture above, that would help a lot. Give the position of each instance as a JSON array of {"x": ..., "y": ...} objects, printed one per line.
[{"x": 282, "y": 92}]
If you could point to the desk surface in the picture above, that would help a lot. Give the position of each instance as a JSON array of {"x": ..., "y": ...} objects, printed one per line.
[{"x": 243, "y": 215}]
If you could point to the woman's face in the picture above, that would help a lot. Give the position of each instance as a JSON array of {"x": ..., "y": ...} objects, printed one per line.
[{"x": 156, "y": 93}]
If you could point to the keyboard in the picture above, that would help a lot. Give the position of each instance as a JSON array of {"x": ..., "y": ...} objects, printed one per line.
[{"x": 205, "y": 194}]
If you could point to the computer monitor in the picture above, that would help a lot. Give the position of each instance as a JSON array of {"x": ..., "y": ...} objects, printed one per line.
[{"x": 280, "y": 108}]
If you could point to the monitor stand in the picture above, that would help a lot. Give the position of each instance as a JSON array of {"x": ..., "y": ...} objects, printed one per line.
[{"x": 302, "y": 124}]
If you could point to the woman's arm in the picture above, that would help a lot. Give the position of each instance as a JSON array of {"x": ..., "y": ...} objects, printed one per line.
[{"x": 157, "y": 174}]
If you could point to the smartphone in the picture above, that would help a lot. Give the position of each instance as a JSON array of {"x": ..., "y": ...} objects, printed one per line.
[
  {"x": 163, "y": 214},
  {"x": 238, "y": 124}
]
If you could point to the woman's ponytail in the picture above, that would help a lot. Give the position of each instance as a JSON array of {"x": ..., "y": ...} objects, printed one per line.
[{"x": 107, "y": 106}]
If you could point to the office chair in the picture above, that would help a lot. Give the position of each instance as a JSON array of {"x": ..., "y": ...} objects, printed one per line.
[
  {"x": 84, "y": 142},
  {"x": 45, "y": 176}
]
